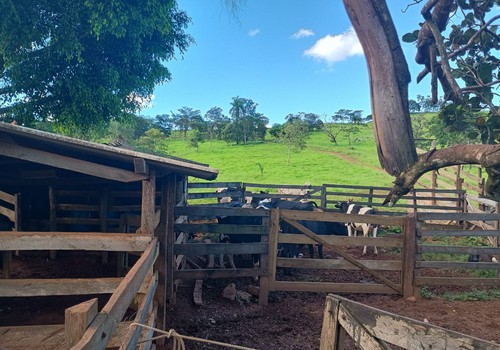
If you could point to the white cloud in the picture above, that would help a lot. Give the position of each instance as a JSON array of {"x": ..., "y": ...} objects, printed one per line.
[
  {"x": 302, "y": 33},
  {"x": 335, "y": 48},
  {"x": 253, "y": 32}
]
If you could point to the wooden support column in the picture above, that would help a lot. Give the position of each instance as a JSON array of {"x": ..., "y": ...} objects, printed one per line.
[
  {"x": 148, "y": 204},
  {"x": 165, "y": 264},
  {"x": 409, "y": 255},
  {"x": 103, "y": 215},
  {"x": 53, "y": 217}
]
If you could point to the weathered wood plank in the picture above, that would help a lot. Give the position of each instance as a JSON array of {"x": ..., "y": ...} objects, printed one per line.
[
  {"x": 223, "y": 228},
  {"x": 343, "y": 241},
  {"x": 103, "y": 326},
  {"x": 459, "y": 216},
  {"x": 60, "y": 286},
  {"x": 458, "y": 265},
  {"x": 456, "y": 281},
  {"x": 191, "y": 249},
  {"x": 73, "y": 241},
  {"x": 459, "y": 233},
  {"x": 430, "y": 248},
  {"x": 410, "y": 334},
  {"x": 219, "y": 273},
  {"x": 338, "y": 264},
  {"x": 7, "y": 197},
  {"x": 339, "y": 217},
  {"x": 212, "y": 211},
  {"x": 47, "y": 337},
  {"x": 327, "y": 287},
  {"x": 331, "y": 326},
  {"x": 68, "y": 163},
  {"x": 10, "y": 214}
]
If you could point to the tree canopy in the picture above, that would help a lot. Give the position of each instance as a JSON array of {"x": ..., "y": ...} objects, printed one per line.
[{"x": 85, "y": 62}]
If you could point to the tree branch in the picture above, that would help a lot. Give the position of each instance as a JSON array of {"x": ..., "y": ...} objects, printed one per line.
[{"x": 487, "y": 156}]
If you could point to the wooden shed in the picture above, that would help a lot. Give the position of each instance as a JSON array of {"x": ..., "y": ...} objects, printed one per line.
[{"x": 59, "y": 195}]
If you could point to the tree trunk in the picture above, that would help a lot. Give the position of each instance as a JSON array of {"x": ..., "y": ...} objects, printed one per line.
[{"x": 389, "y": 79}]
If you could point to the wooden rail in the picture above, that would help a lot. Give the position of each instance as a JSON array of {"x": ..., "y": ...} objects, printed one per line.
[{"x": 371, "y": 328}]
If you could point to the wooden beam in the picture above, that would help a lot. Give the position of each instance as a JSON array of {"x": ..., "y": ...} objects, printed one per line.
[
  {"x": 73, "y": 241},
  {"x": 59, "y": 286},
  {"x": 6, "y": 197},
  {"x": 141, "y": 166},
  {"x": 76, "y": 320},
  {"x": 100, "y": 330},
  {"x": 68, "y": 163},
  {"x": 148, "y": 204}
]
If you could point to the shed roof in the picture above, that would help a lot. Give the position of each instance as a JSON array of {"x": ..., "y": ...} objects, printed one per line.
[{"x": 90, "y": 158}]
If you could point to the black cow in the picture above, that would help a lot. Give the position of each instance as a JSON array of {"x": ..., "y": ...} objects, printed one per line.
[
  {"x": 352, "y": 227},
  {"x": 317, "y": 227},
  {"x": 240, "y": 238}
]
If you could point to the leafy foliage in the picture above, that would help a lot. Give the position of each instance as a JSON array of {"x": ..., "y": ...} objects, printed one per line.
[
  {"x": 294, "y": 135},
  {"x": 84, "y": 63}
]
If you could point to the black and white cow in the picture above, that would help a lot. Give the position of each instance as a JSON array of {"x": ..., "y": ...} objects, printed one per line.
[
  {"x": 317, "y": 227},
  {"x": 353, "y": 228}
]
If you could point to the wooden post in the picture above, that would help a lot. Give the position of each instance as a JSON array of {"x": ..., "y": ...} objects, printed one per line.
[
  {"x": 409, "y": 255},
  {"x": 77, "y": 319},
  {"x": 434, "y": 186},
  {"x": 264, "y": 263},
  {"x": 274, "y": 230},
  {"x": 103, "y": 216},
  {"x": 53, "y": 217},
  {"x": 370, "y": 197},
  {"x": 323, "y": 197},
  {"x": 148, "y": 204},
  {"x": 332, "y": 333}
]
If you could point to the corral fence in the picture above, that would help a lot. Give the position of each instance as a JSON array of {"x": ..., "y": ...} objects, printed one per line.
[
  {"x": 371, "y": 328},
  {"x": 10, "y": 213},
  {"x": 328, "y": 195}
]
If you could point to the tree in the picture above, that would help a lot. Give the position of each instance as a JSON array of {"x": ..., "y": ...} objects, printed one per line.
[
  {"x": 185, "y": 119},
  {"x": 465, "y": 54},
  {"x": 164, "y": 123},
  {"x": 85, "y": 63},
  {"x": 345, "y": 121},
  {"x": 153, "y": 141},
  {"x": 246, "y": 123},
  {"x": 275, "y": 130},
  {"x": 294, "y": 135},
  {"x": 216, "y": 122}
]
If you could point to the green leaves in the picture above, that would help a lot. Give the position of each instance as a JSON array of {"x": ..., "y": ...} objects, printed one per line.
[{"x": 410, "y": 37}]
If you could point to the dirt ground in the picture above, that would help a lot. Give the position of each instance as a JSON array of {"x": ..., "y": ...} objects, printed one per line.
[{"x": 290, "y": 321}]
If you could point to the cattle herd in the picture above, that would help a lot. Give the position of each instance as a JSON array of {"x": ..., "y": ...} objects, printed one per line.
[{"x": 317, "y": 227}]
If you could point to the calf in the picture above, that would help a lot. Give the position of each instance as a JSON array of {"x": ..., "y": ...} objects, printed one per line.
[{"x": 353, "y": 228}]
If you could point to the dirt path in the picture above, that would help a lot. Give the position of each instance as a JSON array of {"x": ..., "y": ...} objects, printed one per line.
[{"x": 350, "y": 159}]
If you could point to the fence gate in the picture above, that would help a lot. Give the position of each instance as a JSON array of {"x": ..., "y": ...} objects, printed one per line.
[{"x": 364, "y": 275}]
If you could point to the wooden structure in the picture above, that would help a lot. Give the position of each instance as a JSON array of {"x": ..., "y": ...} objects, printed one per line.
[
  {"x": 88, "y": 197},
  {"x": 371, "y": 328}
]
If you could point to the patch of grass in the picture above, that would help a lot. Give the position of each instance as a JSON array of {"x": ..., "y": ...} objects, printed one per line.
[
  {"x": 426, "y": 293},
  {"x": 473, "y": 295}
]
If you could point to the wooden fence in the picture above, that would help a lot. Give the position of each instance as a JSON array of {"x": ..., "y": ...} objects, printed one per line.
[
  {"x": 444, "y": 247},
  {"x": 328, "y": 195},
  {"x": 371, "y": 328},
  {"x": 10, "y": 210}
]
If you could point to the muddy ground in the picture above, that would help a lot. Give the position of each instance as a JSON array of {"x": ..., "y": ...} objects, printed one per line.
[{"x": 291, "y": 320}]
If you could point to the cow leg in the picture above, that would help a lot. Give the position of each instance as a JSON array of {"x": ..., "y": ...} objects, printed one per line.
[
  {"x": 320, "y": 251},
  {"x": 230, "y": 259},
  {"x": 375, "y": 228},
  {"x": 221, "y": 261},
  {"x": 311, "y": 250},
  {"x": 366, "y": 229}
]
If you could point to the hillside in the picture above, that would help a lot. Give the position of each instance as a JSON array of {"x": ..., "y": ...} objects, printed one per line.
[{"x": 266, "y": 162}]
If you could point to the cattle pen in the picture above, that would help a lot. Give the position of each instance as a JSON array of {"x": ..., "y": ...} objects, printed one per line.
[{"x": 425, "y": 232}]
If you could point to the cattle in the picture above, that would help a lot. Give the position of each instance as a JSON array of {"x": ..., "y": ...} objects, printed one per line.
[
  {"x": 295, "y": 193},
  {"x": 352, "y": 227},
  {"x": 317, "y": 227},
  {"x": 240, "y": 238}
]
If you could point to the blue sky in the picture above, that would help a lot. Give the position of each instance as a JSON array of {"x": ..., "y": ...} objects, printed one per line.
[{"x": 287, "y": 56}]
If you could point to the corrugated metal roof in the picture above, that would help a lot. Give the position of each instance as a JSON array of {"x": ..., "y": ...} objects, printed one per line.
[{"x": 177, "y": 165}]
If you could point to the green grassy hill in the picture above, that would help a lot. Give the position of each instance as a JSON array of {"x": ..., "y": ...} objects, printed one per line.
[{"x": 321, "y": 162}]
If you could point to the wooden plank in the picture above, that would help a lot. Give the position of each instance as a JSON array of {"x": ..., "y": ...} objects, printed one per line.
[
  {"x": 343, "y": 241},
  {"x": 456, "y": 281},
  {"x": 219, "y": 273},
  {"x": 148, "y": 204},
  {"x": 358, "y": 331},
  {"x": 430, "y": 248},
  {"x": 274, "y": 228},
  {"x": 6, "y": 197},
  {"x": 68, "y": 163},
  {"x": 141, "y": 166},
  {"x": 76, "y": 320},
  {"x": 132, "y": 337},
  {"x": 47, "y": 337},
  {"x": 213, "y": 211},
  {"x": 73, "y": 241},
  {"x": 77, "y": 207},
  {"x": 338, "y": 264},
  {"x": 409, "y": 256},
  {"x": 459, "y": 233},
  {"x": 60, "y": 286},
  {"x": 329, "y": 287},
  {"x": 338, "y": 217},
  {"x": 145, "y": 340},
  {"x": 10, "y": 214},
  {"x": 407, "y": 333},
  {"x": 458, "y": 265},
  {"x": 223, "y": 228},
  {"x": 459, "y": 216},
  {"x": 214, "y": 185},
  {"x": 100, "y": 330},
  {"x": 192, "y": 249}
]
